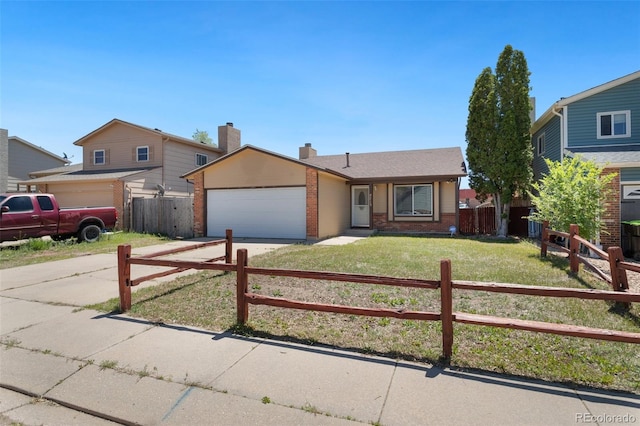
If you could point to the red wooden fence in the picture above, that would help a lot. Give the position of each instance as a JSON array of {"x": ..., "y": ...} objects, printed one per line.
[
  {"x": 482, "y": 221},
  {"x": 445, "y": 284},
  {"x": 617, "y": 266}
]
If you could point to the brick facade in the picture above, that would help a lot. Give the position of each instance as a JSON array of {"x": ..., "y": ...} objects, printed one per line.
[
  {"x": 611, "y": 217},
  {"x": 312, "y": 203},
  {"x": 199, "y": 206},
  {"x": 381, "y": 223}
]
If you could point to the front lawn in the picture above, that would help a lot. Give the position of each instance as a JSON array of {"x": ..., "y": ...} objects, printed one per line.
[
  {"x": 39, "y": 250},
  {"x": 207, "y": 300}
]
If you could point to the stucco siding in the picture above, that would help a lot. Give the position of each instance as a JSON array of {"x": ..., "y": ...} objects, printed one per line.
[
  {"x": 582, "y": 117},
  {"x": 448, "y": 197},
  {"x": 119, "y": 142},
  {"x": 379, "y": 200},
  {"x": 334, "y": 200},
  {"x": 251, "y": 169}
]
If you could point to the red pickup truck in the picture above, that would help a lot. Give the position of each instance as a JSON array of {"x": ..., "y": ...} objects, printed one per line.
[{"x": 37, "y": 215}]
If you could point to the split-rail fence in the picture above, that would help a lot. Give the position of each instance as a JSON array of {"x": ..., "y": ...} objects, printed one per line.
[{"x": 444, "y": 284}]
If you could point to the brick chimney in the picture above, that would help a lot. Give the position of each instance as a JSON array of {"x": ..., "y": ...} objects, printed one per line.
[
  {"x": 228, "y": 138},
  {"x": 306, "y": 152}
]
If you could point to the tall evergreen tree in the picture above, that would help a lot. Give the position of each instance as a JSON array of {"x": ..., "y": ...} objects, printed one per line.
[{"x": 499, "y": 149}]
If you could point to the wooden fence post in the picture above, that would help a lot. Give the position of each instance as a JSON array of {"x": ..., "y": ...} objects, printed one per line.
[
  {"x": 574, "y": 248},
  {"x": 619, "y": 280},
  {"x": 228, "y": 252},
  {"x": 446, "y": 308},
  {"x": 124, "y": 277},
  {"x": 545, "y": 238},
  {"x": 242, "y": 281}
]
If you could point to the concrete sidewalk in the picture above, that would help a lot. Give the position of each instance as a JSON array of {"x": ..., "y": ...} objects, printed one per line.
[{"x": 61, "y": 365}]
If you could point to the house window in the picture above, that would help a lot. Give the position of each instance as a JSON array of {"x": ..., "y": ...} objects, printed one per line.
[
  {"x": 98, "y": 157},
  {"x": 201, "y": 159},
  {"x": 540, "y": 144},
  {"x": 616, "y": 124},
  {"x": 413, "y": 200},
  {"x": 142, "y": 153}
]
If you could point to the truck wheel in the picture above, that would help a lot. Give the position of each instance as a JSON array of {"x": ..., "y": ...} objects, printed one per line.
[{"x": 90, "y": 233}]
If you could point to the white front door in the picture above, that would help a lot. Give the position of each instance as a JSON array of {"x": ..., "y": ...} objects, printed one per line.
[{"x": 360, "y": 206}]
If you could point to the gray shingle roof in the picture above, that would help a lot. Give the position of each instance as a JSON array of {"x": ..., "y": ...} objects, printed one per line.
[
  {"x": 439, "y": 163},
  {"x": 86, "y": 176},
  {"x": 619, "y": 156}
]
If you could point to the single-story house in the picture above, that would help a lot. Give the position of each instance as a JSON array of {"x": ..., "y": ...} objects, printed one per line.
[{"x": 262, "y": 194}]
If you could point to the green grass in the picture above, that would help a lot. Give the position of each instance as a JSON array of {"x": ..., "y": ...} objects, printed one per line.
[
  {"x": 207, "y": 300},
  {"x": 37, "y": 250}
]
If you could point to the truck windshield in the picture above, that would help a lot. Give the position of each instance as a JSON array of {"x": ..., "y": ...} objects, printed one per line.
[{"x": 2, "y": 198}]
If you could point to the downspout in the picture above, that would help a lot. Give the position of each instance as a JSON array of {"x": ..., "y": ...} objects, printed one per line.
[{"x": 563, "y": 129}]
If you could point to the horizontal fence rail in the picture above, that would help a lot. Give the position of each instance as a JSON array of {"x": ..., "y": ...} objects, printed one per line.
[
  {"x": 617, "y": 265},
  {"x": 125, "y": 261},
  {"x": 447, "y": 316},
  {"x": 445, "y": 285}
]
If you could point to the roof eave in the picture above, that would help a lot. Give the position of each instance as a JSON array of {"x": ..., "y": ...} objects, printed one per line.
[{"x": 406, "y": 179}]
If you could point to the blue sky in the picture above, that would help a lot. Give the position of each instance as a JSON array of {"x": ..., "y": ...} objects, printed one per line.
[{"x": 345, "y": 76}]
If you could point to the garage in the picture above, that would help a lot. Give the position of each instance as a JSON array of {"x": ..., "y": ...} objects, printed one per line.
[
  {"x": 82, "y": 194},
  {"x": 257, "y": 213}
]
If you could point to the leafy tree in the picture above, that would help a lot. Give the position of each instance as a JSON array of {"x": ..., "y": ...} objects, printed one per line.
[
  {"x": 573, "y": 192},
  {"x": 202, "y": 136},
  {"x": 498, "y": 141}
]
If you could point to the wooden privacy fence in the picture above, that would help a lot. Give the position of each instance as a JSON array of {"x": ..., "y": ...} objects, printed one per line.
[
  {"x": 617, "y": 265},
  {"x": 170, "y": 216},
  {"x": 482, "y": 221},
  {"x": 125, "y": 261},
  {"x": 445, "y": 285}
]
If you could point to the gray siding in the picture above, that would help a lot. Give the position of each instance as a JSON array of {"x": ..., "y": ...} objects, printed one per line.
[
  {"x": 582, "y": 119},
  {"x": 552, "y": 147},
  {"x": 630, "y": 174},
  {"x": 25, "y": 159}
]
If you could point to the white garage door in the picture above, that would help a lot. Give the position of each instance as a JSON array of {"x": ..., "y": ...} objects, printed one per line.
[{"x": 257, "y": 213}]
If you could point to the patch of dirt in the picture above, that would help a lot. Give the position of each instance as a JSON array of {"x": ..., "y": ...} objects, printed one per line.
[{"x": 633, "y": 278}]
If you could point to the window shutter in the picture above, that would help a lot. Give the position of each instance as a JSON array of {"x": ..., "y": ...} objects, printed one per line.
[
  {"x": 106, "y": 156},
  {"x": 134, "y": 156},
  {"x": 150, "y": 153}
]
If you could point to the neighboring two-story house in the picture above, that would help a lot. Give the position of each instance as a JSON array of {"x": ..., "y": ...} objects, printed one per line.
[
  {"x": 600, "y": 124},
  {"x": 18, "y": 157},
  {"x": 123, "y": 161}
]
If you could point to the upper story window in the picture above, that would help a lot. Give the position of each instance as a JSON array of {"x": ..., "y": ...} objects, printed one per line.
[
  {"x": 201, "y": 159},
  {"x": 615, "y": 124},
  {"x": 142, "y": 153},
  {"x": 540, "y": 144},
  {"x": 99, "y": 157},
  {"x": 413, "y": 200}
]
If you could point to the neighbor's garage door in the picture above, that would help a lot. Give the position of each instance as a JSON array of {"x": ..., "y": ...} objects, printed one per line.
[
  {"x": 82, "y": 194},
  {"x": 258, "y": 213}
]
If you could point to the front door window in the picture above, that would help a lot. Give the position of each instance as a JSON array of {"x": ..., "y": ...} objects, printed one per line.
[{"x": 360, "y": 206}]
